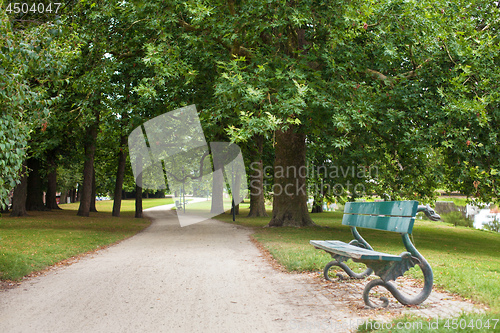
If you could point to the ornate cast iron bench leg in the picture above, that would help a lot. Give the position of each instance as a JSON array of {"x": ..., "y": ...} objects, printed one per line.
[
  {"x": 346, "y": 269},
  {"x": 422, "y": 296},
  {"x": 358, "y": 241}
]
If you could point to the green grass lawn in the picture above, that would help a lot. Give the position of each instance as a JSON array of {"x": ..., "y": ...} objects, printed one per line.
[
  {"x": 32, "y": 243},
  {"x": 203, "y": 207},
  {"x": 127, "y": 208},
  {"x": 465, "y": 261},
  {"x": 459, "y": 201}
]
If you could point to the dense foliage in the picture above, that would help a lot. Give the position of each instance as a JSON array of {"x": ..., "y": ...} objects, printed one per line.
[
  {"x": 33, "y": 58},
  {"x": 405, "y": 93}
]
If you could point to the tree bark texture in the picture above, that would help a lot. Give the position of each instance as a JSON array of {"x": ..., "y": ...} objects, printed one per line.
[
  {"x": 34, "y": 198},
  {"x": 93, "y": 196},
  {"x": 86, "y": 187},
  {"x": 290, "y": 192},
  {"x": 257, "y": 200},
  {"x": 138, "y": 202},
  {"x": 88, "y": 168},
  {"x": 120, "y": 174},
  {"x": 317, "y": 205},
  {"x": 20, "y": 193},
  {"x": 51, "y": 197}
]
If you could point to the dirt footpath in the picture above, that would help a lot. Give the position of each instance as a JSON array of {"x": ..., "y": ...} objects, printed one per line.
[{"x": 207, "y": 277}]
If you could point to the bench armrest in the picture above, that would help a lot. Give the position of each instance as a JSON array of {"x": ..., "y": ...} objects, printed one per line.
[{"x": 429, "y": 212}]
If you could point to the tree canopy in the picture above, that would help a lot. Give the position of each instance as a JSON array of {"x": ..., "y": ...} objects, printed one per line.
[{"x": 404, "y": 88}]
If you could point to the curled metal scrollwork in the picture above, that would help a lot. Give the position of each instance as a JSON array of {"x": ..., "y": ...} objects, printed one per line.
[
  {"x": 359, "y": 242},
  {"x": 403, "y": 299},
  {"x": 346, "y": 268}
]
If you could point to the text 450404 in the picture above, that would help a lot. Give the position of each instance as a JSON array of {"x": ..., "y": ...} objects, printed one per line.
[{"x": 26, "y": 8}]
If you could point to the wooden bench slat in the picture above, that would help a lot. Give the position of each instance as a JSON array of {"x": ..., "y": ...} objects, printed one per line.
[
  {"x": 393, "y": 208},
  {"x": 386, "y": 223},
  {"x": 352, "y": 251}
]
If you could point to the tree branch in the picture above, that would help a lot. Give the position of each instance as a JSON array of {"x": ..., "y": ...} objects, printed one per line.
[
  {"x": 391, "y": 79},
  {"x": 379, "y": 76},
  {"x": 129, "y": 54},
  {"x": 448, "y": 52},
  {"x": 133, "y": 25},
  {"x": 187, "y": 26}
]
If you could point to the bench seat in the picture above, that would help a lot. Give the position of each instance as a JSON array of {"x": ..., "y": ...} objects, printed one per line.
[{"x": 351, "y": 251}]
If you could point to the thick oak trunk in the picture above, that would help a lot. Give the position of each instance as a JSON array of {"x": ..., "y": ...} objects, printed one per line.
[
  {"x": 290, "y": 192},
  {"x": 88, "y": 168},
  {"x": 34, "y": 198},
  {"x": 20, "y": 193},
  {"x": 120, "y": 174},
  {"x": 51, "y": 197},
  {"x": 257, "y": 201}
]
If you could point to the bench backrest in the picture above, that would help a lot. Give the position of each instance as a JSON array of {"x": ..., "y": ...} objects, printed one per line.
[{"x": 395, "y": 216}]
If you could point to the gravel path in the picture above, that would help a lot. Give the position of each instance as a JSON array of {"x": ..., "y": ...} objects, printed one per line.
[{"x": 207, "y": 277}]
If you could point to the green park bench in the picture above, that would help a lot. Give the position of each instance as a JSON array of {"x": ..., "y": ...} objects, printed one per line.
[{"x": 391, "y": 216}]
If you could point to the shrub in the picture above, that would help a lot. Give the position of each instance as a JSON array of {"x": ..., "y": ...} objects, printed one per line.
[
  {"x": 457, "y": 219},
  {"x": 493, "y": 226}
]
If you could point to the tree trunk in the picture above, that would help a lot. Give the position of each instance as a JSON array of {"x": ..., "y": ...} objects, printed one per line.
[
  {"x": 317, "y": 205},
  {"x": 138, "y": 190},
  {"x": 290, "y": 192},
  {"x": 88, "y": 168},
  {"x": 64, "y": 199},
  {"x": 51, "y": 198},
  {"x": 20, "y": 193},
  {"x": 217, "y": 205},
  {"x": 236, "y": 195},
  {"x": 120, "y": 174},
  {"x": 92, "y": 197},
  {"x": 86, "y": 187},
  {"x": 138, "y": 201},
  {"x": 34, "y": 198},
  {"x": 257, "y": 201}
]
